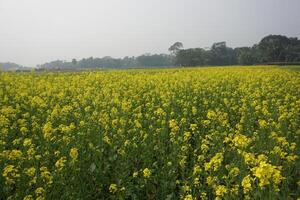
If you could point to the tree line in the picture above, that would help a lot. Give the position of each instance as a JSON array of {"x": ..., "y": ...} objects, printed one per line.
[
  {"x": 9, "y": 66},
  {"x": 146, "y": 60},
  {"x": 271, "y": 49}
]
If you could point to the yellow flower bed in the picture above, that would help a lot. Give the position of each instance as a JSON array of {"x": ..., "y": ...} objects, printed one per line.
[{"x": 196, "y": 133}]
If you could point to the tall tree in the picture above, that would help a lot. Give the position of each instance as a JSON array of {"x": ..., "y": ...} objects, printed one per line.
[
  {"x": 274, "y": 48},
  {"x": 74, "y": 61},
  {"x": 175, "y": 47},
  {"x": 222, "y": 55},
  {"x": 245, "y": 56}
]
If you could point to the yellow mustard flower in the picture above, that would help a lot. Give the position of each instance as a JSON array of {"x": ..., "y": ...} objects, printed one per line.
[
  {"x": 113, "y": 188},
  {"x": 60, "y": 164},
  {"x": 146, "y": 173},
  {"x": 74, "y": 153}
]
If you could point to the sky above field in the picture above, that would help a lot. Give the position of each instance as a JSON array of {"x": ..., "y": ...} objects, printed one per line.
[{"x": 37, "y": 31}]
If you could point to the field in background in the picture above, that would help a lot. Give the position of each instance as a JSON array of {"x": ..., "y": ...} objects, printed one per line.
[{"x": 198, "y": 133}]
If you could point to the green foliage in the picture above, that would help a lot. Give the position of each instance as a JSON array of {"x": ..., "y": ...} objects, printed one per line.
[
  {"x": 146, "y": 60},
  {"x": 175, "y": 47},
  {"x": 271, "y": 49}
]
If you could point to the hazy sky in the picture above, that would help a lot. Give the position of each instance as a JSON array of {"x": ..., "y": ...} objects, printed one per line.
[{"x": 36, "y": 31}]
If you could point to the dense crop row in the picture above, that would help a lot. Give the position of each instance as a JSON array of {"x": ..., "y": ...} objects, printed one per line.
[{"x": 224, "y": 133}]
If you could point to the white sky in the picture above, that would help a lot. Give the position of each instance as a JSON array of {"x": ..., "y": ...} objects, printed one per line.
[{"x": 37, "y": 31}]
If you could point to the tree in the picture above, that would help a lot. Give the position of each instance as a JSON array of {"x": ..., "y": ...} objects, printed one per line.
[
  {"x": 175, "y": 47},
  {"x": 222, "y": 55},
  {"x": 274, "y": 48},
  {"x": 293, "y": 51},
  {"x": 74, "y": 61},
  {"x": 246, "y": 55},
  {"x": 155, "y": 60},
  {"x": 191, "y": 57}
]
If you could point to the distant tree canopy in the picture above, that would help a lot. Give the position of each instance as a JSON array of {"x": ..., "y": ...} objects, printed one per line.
[
  {"x": 246, "y": 55},
  {"x": 146, "y": 60},
  {"x": 12, "y": 66},
  {"x": 271, "y": 49},
  {"x": 219, "y": 54},
  {"x": 175, "y": 47},
  {"x": 278, "y": 48}
]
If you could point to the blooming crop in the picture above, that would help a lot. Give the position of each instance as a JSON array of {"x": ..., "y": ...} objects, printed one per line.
[{"x": 196, "y": 133}]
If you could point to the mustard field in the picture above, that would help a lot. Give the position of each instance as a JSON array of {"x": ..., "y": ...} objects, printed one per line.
[{"x": 196, "y": 133}]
